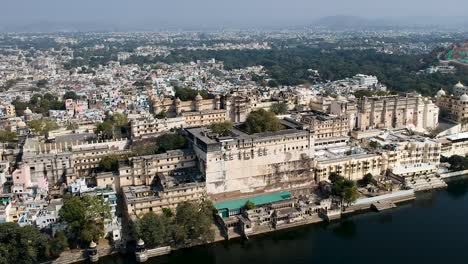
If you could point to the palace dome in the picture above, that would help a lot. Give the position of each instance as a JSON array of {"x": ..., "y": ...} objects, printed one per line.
[
  {"x": 464, "y": 98},
  {"x": 440, "y": 93}
]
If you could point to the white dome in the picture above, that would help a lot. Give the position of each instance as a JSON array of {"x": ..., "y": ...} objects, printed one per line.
[
  {"x": 441, "y": 93},
  {"x": 27, "y": 111},
  {"x": 352, "y": 96},
  {"x": 458, "y": 85},
  {"x": 340, "y": 98},
  {"x": 464, "y": 98}
]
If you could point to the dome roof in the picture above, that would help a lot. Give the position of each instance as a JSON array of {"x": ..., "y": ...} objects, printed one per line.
[
  {"x": 21, "y": 124},
  {"x": 441, "y": 93},
  {"x": 198, "y": 97},
  {"x": 352, "y": 96},
  {"x": 458, "y": 85},
  {"x": 27, "y": 111},
  {"x": 92, "y": 244},
  {"x": 464, "y": 98},
  {"x": 140, "y": 242}
]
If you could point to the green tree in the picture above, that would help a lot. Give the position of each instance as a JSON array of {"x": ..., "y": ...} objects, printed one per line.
[
  {"x": 189, "y": 94},
  {"x": 70, "y": 95},
  {"x": 374, "y": 144},
  {"x": 221, "y": 128},
  {"x": 58, "y": 244},
  {"x": 85, "y": 218},
  {"x": 22, "y": 244},
  {"x": 109, "y": 163},
  {"x": 350, "y": 194},
  {"x": 105, "y": 129},
  {"x": 119, "y": 120},
  {"x": 196, "y": 223},
  {"x": 153, "y": 229},
  {"x": 162, "y": 115},
  {"x": 168, "y": 142},
  {"x": 367, "y": 179},
  {"x": 7, "y": 136},
  {"x": 42, "y": 83},
  {"x": 457, "y": 163},
  {"x": 262, "y": 121},
  {"x": 145, "y": 147},
  {"x": 249, "y": 205},
  {"x": 343, "y": 188},
  {"x": 279, "y": 108},
  {"x": 42, "y": 126}
]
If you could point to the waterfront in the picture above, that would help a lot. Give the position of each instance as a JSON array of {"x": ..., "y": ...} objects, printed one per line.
[{"x": 431, "y": 229}]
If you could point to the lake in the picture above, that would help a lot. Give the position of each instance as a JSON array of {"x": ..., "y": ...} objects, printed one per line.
[{"x": 431, "y": 229}]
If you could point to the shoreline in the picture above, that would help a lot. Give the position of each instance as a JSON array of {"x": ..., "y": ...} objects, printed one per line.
[{"x": 76, "y": 257}]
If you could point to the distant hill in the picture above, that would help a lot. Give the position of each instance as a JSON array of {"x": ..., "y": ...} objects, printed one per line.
[
  {"x": 355, "y": 22},
  {"x": 458, "y": 53}
]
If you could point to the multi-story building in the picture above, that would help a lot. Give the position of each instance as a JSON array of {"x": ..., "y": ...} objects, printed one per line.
[
  {"x": 241, "y": 162},
  {"x": 454, "y": 107},
  {"x": 410, "y": 111},
  {"x": 325, "y": 125},
  {"x": 459, "y": 89},
  {"x": 170, "y": 190}
]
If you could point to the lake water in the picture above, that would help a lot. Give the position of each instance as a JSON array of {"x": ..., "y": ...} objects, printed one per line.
[{"x": 431, "y": 229}]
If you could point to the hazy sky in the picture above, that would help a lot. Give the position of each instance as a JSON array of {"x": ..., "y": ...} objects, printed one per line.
[{"x": 217, "y": 12}]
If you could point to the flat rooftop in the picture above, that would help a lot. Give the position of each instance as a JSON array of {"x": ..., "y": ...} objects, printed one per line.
[
  {"x": 257, "y": 200},
  {"x": 205, "y": 135}
]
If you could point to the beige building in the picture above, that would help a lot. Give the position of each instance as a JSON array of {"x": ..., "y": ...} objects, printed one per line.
[
  {"x": 410, "y": 111},
  {"x": 352, "y": 167},
  {"x": 326, "y": 126},
  {"x": 454, "y": 107},
  {"x": 168, "y": 193},
  {"x": 242, "y": 163}
]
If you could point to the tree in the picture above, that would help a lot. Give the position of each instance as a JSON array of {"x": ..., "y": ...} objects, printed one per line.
[
  {"x": 162, "y": 115},
  {"x": 168, "y": 142},
  {"x": 105, "y": 129},
  {"x": 42, "y": 126},
  {"x": 343, "y": 188},
  {"x": 188, "y": 94},
  {"x": 350, "y": 194},
  {"x": 109, "y": 163},
  {"x": 42, "y": 83},
  {"x": 457, "y": 163},
  {"x": 85, "y": 218},
  {"x": 70, "y": 95},
  {"x": 279, "y": 108},
  {"x": 373, "y": 144},
  {"x": 249, "y": 205},
  {"x": 262, "y": 121},
  {"x": 272, "y": 83},
  {"x": 221, "y": 128},
  {"x": 196, "y": 223},
  {"x": 22, "y": 244},
  {"x": 58, "y": 244},
  {"x": 145, "y": 147},
  {"x": 153, "y": 229},
  {"x": 367, "y": 179},
  {"x": 119, "y": 120},
  {"x": 7, "y": 136}
]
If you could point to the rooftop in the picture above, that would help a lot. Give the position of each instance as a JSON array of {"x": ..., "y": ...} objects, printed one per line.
[{"x": 257, "y": 200}]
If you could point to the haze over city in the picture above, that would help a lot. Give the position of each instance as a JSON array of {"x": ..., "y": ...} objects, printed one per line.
[
  {"x": 233, "y": 132},
  {"x": 185, "y": 14}
]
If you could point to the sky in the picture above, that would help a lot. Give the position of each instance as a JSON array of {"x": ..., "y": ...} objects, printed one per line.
[{"x": 216, "y": 12}]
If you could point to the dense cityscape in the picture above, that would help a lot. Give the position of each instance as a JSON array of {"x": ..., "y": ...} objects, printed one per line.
[{"x": 146, "y": 143}]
